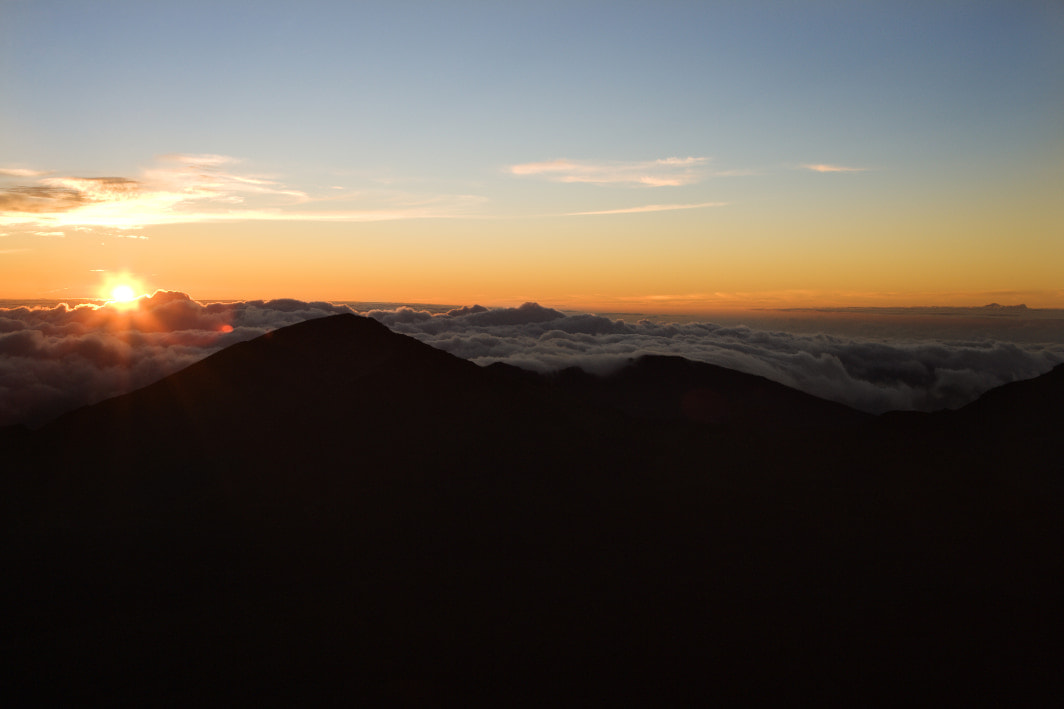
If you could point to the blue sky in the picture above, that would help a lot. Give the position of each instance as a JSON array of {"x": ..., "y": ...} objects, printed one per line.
[{"x": 923, "y": 117}]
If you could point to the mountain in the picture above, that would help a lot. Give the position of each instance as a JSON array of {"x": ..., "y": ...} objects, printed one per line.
[
  {"x": 659, "y": 387},
  {"x": 335, "y": 510}
]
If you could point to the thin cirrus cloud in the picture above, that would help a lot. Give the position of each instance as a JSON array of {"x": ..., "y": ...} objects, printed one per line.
[
  {"x": 193, "y": 188},
  {"x": 19, "y": 172},
  {"x": 648, "y": 208},
  {"x": 665, "y": 172},
  {"x": 821, "y": 167}
]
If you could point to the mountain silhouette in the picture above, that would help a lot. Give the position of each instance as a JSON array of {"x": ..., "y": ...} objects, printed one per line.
[
  {"x": 663, "y": 387},
  {"x": 334, "y": 510}
]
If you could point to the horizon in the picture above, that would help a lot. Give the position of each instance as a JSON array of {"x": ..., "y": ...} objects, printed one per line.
[
  {"x": 57, "y": 356},
  {"x": 658, "y": 158},
  {"x": 692, "y": 313}
]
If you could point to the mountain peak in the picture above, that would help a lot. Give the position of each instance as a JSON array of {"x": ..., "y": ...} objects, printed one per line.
[
  {"x": 342, "y": 324},
  {"x": 322, "y": 348}
]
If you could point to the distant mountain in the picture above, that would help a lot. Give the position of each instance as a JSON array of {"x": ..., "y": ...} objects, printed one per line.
[
  {"x": 1005, "y": 308},
  {"x": 334, "y": 510}
]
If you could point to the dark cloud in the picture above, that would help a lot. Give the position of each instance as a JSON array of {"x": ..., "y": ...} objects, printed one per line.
[
  {"x": 55, "y": 359},
  {"x": 466, "y": 310},
  {"x": 64, "y": 194},
  {"x": 40, "y": 200}
]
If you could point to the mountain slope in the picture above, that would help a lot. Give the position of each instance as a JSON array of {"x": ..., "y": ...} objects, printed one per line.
[
  {"x": 335, "y": 508},
  {"x": 673, "y": 388}
]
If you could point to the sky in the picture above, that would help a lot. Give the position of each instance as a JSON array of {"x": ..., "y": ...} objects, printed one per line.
[{"x": 642, "y": 156}]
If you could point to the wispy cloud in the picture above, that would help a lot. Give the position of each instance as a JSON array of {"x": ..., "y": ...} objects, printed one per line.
[
  {"x": 19, "y": 172},
  {"x": 820, "y": 167},
  {"x": 198, "y": 188},
  {"x": 666, "y": 172},
  {"x": 649, "y": 208}
]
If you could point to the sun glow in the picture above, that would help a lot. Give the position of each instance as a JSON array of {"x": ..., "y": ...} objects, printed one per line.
[
  {"x": 121, "y": 290},
  {"x": 123, "y": 293}
]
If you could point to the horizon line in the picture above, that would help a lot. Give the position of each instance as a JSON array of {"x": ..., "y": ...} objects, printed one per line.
[{"x": 633, "y": 305}]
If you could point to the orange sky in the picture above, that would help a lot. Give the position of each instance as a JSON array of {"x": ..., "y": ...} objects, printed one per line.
[{"x": 798, "y": 157}]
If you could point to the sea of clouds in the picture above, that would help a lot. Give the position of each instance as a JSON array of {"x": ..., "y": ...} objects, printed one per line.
[{"x": 54, "y": 359}]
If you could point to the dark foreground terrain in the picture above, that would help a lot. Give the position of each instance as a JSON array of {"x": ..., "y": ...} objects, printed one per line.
[{"x": 337, "y": 511}]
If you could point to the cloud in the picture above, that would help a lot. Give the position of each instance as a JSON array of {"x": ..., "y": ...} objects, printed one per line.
[
  {"x": 198, "y": 188},
  {"x": 666, "y": 172},
  {"x": 40, "y": 199},
  {"x": 870, "y": 375},
  {"x": 833, "y": 168},
  {"x": 19, "y": 172},
  {"x": 200, "y": 161},
  {"x": 56, "y": 359},
  {"x": 649, "y": 208}
]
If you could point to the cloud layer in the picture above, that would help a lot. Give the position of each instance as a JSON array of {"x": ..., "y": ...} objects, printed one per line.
[
  {"x": 56, "y": 359},
  {"x": 871, "y": 375}
]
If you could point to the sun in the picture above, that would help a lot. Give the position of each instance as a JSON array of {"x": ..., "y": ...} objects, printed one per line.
[
  {"x": 123, "y": 293},
  {"x": 121, "y": 290}
]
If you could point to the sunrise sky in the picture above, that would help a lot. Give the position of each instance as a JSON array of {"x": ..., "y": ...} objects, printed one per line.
[{"x": 603, "y": 155}]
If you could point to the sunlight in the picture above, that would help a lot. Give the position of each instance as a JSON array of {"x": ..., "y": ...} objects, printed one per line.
[
  {"x": 122, "y": 293},
  {"x": 121, "y": 290}
]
